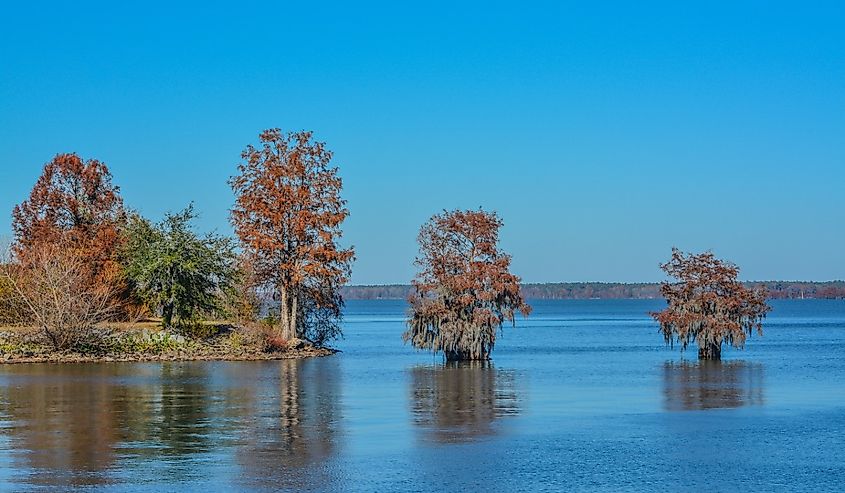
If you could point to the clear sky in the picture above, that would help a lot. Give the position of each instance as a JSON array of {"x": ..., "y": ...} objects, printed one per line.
[{"x": 604, "y": 133}]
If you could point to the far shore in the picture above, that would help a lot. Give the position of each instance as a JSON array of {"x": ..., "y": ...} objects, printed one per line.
[{"x": 608, "y": 290}]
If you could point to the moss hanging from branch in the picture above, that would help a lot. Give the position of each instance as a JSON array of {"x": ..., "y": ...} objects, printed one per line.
[
  {"x": 708, "y": 305},
  {"x": 464, "y": 291}
]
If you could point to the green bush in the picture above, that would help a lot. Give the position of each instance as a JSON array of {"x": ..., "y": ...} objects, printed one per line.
[
  {"x": 198, "y": 330},
  {"x": 130, "y": 343},
  {"x": 176, "y": 272},
  {"x": 156, "y": 343}
]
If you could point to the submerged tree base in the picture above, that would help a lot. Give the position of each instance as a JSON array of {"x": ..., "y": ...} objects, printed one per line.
[
  {"x": 466, "y": 356},
  {"x": 710, "y": 352}
]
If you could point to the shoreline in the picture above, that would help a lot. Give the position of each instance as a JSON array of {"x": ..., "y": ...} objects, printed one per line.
[
  {"x": 69, "y": 358},
  {"x": 20, "y": 345}
]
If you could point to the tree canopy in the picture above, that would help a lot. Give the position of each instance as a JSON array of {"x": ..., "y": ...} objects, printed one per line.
[
  {"x": 464, "y": 291},
  {"x": 73, "y": 209},
  {"x": 708, "y": 305},
  {"x": 175, "y": 271},
  {"x": 288, "y": 214},
  {"x": 74, "y": 202}
]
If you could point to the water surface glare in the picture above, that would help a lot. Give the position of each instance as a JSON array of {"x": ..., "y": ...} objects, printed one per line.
[{"x": 581, "y": 396}]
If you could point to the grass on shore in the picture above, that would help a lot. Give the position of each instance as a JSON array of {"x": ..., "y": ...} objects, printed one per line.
[{"x": 146, "y": 340}]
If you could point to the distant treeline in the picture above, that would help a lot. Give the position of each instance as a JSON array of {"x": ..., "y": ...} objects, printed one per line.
[{"x": 610, "y": 290}]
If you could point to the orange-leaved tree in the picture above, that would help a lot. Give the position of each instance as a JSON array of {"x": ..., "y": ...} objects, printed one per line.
[
  {"x": 464, "y": 291},
  {"x": 708, "y": 305},
  {"x": 74, "y": 208},
  {"x": 287, "y": 214},
  {"x": 74, "y": 204}
]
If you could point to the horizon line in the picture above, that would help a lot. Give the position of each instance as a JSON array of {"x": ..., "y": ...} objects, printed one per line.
[{"x": 373, "y": 285}]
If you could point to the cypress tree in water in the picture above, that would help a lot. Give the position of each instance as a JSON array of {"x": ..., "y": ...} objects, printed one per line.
[
  {"x": 708, "y": 305},
  {"x": 464, "y": 291}
]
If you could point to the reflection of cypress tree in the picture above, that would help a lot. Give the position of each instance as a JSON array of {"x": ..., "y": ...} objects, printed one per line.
[
  {"x": 461, "y": 400},
  {"x": 712, "y": 385},
  {"x": 295, "y": 427}
]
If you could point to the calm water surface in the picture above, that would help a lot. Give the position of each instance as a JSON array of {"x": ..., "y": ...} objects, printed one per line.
[{"x": 581, "y": 396}]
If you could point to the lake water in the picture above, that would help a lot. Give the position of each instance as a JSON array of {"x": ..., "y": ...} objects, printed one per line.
[{"x": 583, "y": 395}]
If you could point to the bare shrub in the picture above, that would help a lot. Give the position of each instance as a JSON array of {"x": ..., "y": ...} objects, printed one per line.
[{"x": 55, "y": 291}]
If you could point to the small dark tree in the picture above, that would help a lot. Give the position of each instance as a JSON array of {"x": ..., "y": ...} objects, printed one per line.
[
  {"x": 708, "y": 305},
  {"x": 174, "y": 271},
  {"x": 8, "y": 300},
  {"x": 464, "y": 292},
  {"x": 10, "y": 308}
]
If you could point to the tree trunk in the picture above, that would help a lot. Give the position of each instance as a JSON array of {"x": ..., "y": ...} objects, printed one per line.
[
  {"x": 167, "y": 314},
  {"x": 283, "y": 314},
  {"x": 293, "y": 313},
  {"x": 466, "y": 356},
  {"x": 710, "y": 351}
]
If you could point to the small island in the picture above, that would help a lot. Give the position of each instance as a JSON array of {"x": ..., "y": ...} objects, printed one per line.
[{"x": 88, "y": 279}]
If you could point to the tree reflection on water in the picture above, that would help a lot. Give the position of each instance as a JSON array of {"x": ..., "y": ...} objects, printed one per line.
[
  {"x": 72, "y": 424},
  {"x": 62, "y": 442},
  {"x": 712, "y": 385},
  {"x": 77, "y": 425},
  {"x": 295, "y": 422},
  {"x": 462, "y": 400}
]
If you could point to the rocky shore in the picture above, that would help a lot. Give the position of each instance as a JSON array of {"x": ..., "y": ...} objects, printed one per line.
[{"x": 232, "y": 344}]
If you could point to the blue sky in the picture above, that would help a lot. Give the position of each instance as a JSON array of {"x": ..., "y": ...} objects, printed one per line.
[{"x": 604, "y": 133}]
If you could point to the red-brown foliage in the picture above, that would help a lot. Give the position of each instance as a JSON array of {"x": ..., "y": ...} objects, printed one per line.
[
  {"x": 464, "y": 291},
  {"x": 73, "y": 204},
  {"x": 275, "y": 344},
  {"x": 287, "y": 214},
  {"x": 708, "y": 305}
]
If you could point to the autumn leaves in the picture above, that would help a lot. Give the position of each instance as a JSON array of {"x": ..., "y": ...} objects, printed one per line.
[
  {"x": 708, "y": 305},
  {"x": 287, "y": 215},
  {"x": 65, "y": 276},
  {"x": 464, "y": 291}
]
